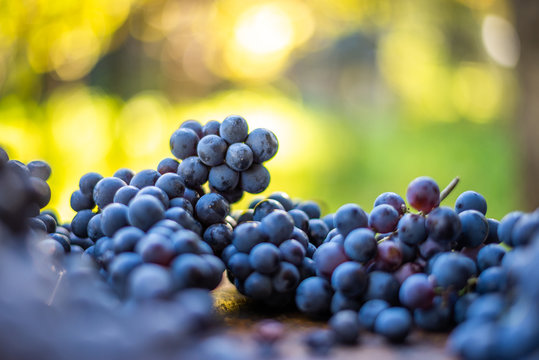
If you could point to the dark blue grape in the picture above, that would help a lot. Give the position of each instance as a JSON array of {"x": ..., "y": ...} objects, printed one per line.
[
  {"x": 126, "y": 239},
  {"x": 183, "y": 143},
  {"x": 451, "y": 271},
  {"x": 218, "y": 236},
  {"x": 264, "y": 144},
  {"x": 168, "y": 165},
  {"x": 37, "y": 224},
  {"x": 63, "y": 240},
  {"x": 430, "y": 248},
  {"x": 239, "y": 157},
  {"x": 255, "y": 180},
  {"x": 126, "y": 175},
  {"x": 120, "y": 268},
  {"x": 350, "y": 279},
  {"x": 79, "y": 201},
  {"x": 234, "y": 129},
  {"x": 278, "y": 226},
  {"x": 436, "y": 318},
  {"x": 147, "y": 177},
  {"x": 443, "y": 224},
  {"x": 51, "y": 248},
  {"x": 329, "y": 219},
  {"x": 264, "y": 207},
  {"x": 490, "y": 255},
  {"x": 293, "y": 252},
  {"x": 155, "y": 248},
  {"x": 409, "y": 252},
  {"x": 313, "y": 296},
  {"x": 216, "y": 271},
  {"x": 149, "y": 281},
  {"x": 524, "y": 228},
  {"x": 345, "y": 326},
  {"x": 350, "y": 217},
  {"x": 264, "y": 258},
  {"x": 245, "y": 216},
  {"x": 369, "y": 312},
  {"x": 211, "y": 150},
  {"x": 505, "y": 228},
  {"x": 461, "y": 306},
  {"x": 474, "y": 228},
  {"x": 113, "y": 218},
  {"x": 320, "y": 341},
  {"x": 417, "y": 292},
  {"x": 311, "y": 249},
  {"x": 247, "y": 235},
  {"x": 393, "y": 199},
  {"x": 423, "y": 194},
  {"x": 340, "y": 302},
  {"x": 360, "y": 245},
  {"x": 383, "y": 218},
  {"x": 88, "y": 181},
  {"x": 493, "y": 279},
  {"x": 223, "y": 178},
  {"x": 311, "y": 208},
  {"x": 228, "y": 252},
  {"x": 284, "y": 199},
  {"x": 211, "y": 128},
  {"x": 301, "y": 220},
  {"x": 171, "y": 184},
  {"x": 41, "y": 192},
  {"x": 144, "y": 211},
  {"x": 258, "y": 286},
  {"x": 327, "y": 257},
  {"x": 83, "y": 243},
  {"x": 492, "y": 237},
  {"x": 239, "y": 265},
  {"x": 307, "y": 268},
  {"x": 50, "y": 222},
  {"x": 182, "y": 203},
  {"x": 474, "y": 340},
  {"x": 183, "y": 218},
  {"x": 105, "y": 190},
  {"x": 211, "y": 209},
  {"x": 125, "y": 194},
  {"x": 186, "y": 242},
  {"x": 193, "y": 172},
  {"x": 486, "y": 307},
  {"x": 193, "y": 125},
  {"x": 286, "y": 278},
  {"x": 190, "y": 271},
  {"x": 394, "y": 324},
  {"x": 383, "y": 286},
  {"x": 318, "y": 231},
  {"x": 255, "y": 201},
  {"x": 94, "y": 228},
  {"x": 412, "y": 230},
  {"x": 39, "y": 169},
  {"x": 155, "y": 192},
  {"x": 471, "y": 200}
]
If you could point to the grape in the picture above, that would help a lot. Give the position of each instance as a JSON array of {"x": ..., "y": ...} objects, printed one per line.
[
  {"x": 286, "y": 278},
  {"x": 486, "y": 307},
  {"x": 182, "y": 203},
  {"x": 263, "y": 143},
  {"x": 183, "y": 143},
  {"x": 451, "y": 271},
  {"x": 461, "y": 306},
  {"x": 156, "y": 193},
  {"x": 490, "y": 255},
  {"x": 313, "y": 296},
  {"x": 144, "y": 211},
  {"x": 255, "y": 180},
  {"x": 149, "y": 281},
  {"x": 443, "y": 225},
  {"x": 301, "y": 220},
  {"x": 105, "y": 190},
  {"x": 125, "y": 194},
  {"x": 167, "y": 165},
  {"x": 339, "y": 302},
  {"x": 436, "y": 318},
  {"x": 382, "y": 286},
  {"x": 190, "y": 271},
  {"x": 247, "y": 235},
  {"x": 318, "y": 231},
  {"x": 239, "y": 265},
  {"x": 124, "y": 174},
  {"x": 264, "y": 258},
  {"x": 125, "y": 239},
  {"x": 39, "y": 169},
  {"x": 234, "y": 129},
  {"x": 284, "y": 200},
  {"x": 88, "y": 181},
  {"x": 171, "y": 184},
  {"x": 320, "y": 341},
  {"x": 493, "y": 279},
  {"x": 218, "y": 236},
  {"x": 62, "y": 240},
  {"x": 184, "y": 219},
  {"x": 474, "y": 228},
  {"x": 300, "y": 236},
  {"x": 79, "y": 201},
  {"x": 113, "y": 218},
  {"x": 526, "y": 226},
  {"x": 471, "y": 200},
  {"x": 211, "y": 128},
  {"x": 370, "y": 311},
  {"x": 193, "y": 125},
  {"x": 79, "y": 224},
  {"x": 329, "y": 220},
  {"x": 211, "y": 150},
  {"x": 360, "y": 245},
  {"x": 293, "y": 252},
  {"x": 311, "y": 208},
  {"x": 345, "y": 326},
  {"x": 223, "y": 178},
  {"x": 388, "y": 257},
  {"x": 264, "y": 207},
  {"x": 505, "y": 228},
  {"x": 239, "y": 157},
  {"x": 350, "y": 279},
  {"x": 211, "y": 209},
  {"x": 50, "y": 222},
  {"x": 417, "y": 292},
  {"x": 258, "y": 286},
  {"x": 423, "y": 194},
  {"x": 327, "y": 257},
  {"x": 412, "y": 230},
  {"x": 394, "y": 324},
  {"x": 144, "y": 178},
  {"x": 390, "y": 198}
]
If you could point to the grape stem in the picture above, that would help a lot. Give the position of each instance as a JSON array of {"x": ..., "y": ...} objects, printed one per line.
[
  {"x": 56, "y": 286},
  {"x": 449, "y": 188}
]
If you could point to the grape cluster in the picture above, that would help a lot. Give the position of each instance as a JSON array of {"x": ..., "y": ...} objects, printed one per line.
[{"x": 272, "y": 247}]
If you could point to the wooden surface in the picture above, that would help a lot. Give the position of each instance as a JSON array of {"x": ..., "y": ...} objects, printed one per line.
[{"x": 240, "y": 315}]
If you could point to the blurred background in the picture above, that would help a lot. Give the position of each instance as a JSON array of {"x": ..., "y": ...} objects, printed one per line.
[{"x": 364, "y": 95}]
